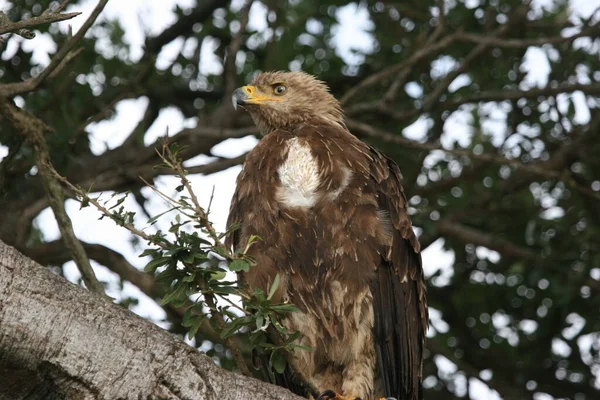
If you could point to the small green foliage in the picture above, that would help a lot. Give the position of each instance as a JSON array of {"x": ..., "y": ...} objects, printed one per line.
[
  {"x": 239, "y": 265},
  {"x": 195, "y": 267}
]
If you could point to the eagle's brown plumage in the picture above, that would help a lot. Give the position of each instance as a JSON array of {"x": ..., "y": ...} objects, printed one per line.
[{"x": 334, "y": 224}]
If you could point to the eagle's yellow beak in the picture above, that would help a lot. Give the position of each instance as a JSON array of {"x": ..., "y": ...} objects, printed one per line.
[{"x": 249, "y": 95}]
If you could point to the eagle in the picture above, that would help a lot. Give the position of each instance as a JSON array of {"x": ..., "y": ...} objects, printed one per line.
[{"x": 334, "y": 224}]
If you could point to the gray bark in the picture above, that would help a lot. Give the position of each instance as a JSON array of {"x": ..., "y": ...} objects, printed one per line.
[{"x": 59, "y": 341}]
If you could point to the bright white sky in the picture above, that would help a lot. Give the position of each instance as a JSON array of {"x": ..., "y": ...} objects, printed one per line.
[{"x": 140, "y": 17}]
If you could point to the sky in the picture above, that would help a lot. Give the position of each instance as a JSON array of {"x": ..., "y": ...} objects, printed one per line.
[{"x": 140, "y": 17}]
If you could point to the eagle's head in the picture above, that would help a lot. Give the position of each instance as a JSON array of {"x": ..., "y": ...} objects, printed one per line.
[{"x": 284, "y": 100}]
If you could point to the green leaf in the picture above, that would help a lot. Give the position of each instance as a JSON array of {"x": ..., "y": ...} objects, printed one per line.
[
  {"x": 197, "y": 323},
  {"x": 177, "y": 294},
  {"x": 217, "y": 276},
  {"x": 274, "y": 287},
  {"x": 278, "y": 362},
  {"x": 306, "y": 348},
  {"x": 234, "y": 326},
  {"x": 239, "y": 265},
  {"x": 260, "y": 321},
  {"x": 150, "y": 252},
  {"x": 157, "y": 262},
  {"x": 156, "y": 217},
  {"x": 284, "y": 308},
  {"x": 224, "y": 290}
]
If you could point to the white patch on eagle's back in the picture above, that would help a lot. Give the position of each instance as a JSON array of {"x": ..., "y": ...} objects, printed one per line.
[{"x": 299, "y": 176}]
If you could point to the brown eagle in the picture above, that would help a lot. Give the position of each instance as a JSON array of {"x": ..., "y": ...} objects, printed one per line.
[{"x": 334, "y": 225}]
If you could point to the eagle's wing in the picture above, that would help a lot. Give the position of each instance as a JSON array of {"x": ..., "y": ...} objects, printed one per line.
[{"x": 399, "y": 303}]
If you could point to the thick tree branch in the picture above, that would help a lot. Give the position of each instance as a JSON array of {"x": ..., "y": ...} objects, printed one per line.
[
  {"x": 56, "y": 253},
  {"x": 92, "y": 349}
]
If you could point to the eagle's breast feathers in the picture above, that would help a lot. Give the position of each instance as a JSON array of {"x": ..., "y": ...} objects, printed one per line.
[{"x": 299, "y": 176}]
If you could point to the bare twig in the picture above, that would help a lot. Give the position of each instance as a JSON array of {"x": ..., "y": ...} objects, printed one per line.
[
  {"x": 86, "y": 198},
  {"x": 22, "y": 28},
  {"x": 33, "y": 129},
  {"x": 172, "y": 162},
  {"x": 13, "y": 89},
  {"x": 60, "y": 7},
  {"x": 64, "y": 63}
]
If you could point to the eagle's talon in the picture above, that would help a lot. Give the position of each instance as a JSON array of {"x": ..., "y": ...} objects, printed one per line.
[{"x": 327, "y": 395}]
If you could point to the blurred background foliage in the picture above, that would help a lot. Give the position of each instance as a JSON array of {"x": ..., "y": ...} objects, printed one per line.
[{"x": 490, "y": 107}]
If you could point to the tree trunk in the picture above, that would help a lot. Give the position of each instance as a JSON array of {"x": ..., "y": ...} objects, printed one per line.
[{"x": 59, "y": 341}]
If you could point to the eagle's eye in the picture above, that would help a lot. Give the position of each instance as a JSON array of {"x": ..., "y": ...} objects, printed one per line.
[{"x": 279, "y": 90}]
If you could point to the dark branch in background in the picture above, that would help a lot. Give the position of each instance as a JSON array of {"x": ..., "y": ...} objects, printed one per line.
[
  {"x": 394, "y": 69},
  {"x": 467, "y": 234},
  {"x": 400, "y": 80},
  {"x": 538, "y": 168},
  {"x": 34, "y": 129},
  {"x": 592, "y": 30},
  {"x": 5, "y": 163},
  {"x": 13, "y": 89},
  {"x": 229, "y": 67},
  {"x": 480, "y": 49},
  {"x": 203, "y": 10},
  {"x": 507, "y": 390}
]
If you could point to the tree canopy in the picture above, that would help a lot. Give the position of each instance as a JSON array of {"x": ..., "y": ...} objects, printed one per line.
[{"x": 491, "y": 108}]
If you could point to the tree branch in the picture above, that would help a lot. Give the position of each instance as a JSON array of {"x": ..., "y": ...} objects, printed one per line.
[
  {"x": 33, "y": 129},
  {"x": 467, "y": 234},
  {"x": 184, "y": 23},
  {"x": 538, "y": 168},
  {"x": 81, "y": 348},
  {"x": 592, "y": 31},
  {"x": 394, "y": 69},
  {"x": 229, "y": 67},
  {"x": 22, "y": 28}
]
